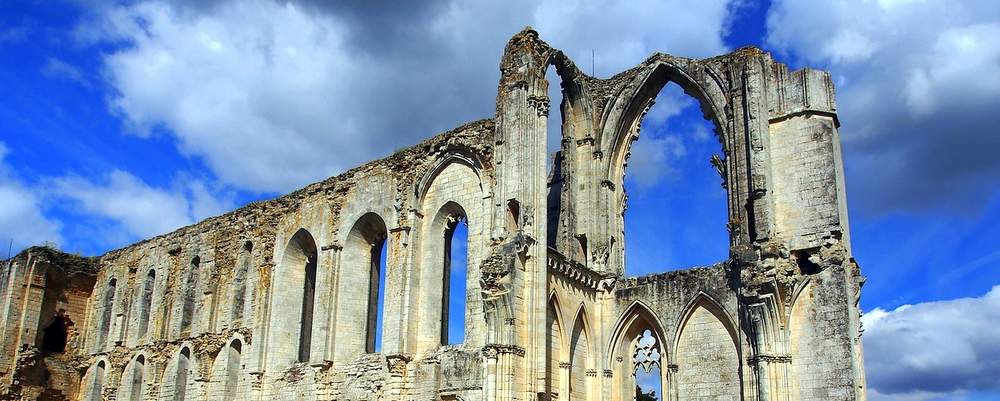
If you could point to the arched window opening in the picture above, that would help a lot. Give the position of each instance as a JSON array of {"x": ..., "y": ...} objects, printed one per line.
[
  {"x": 239, "y": 283},
  {"x": 106, "y": 313},
  {"x": 361, "y": 283},
  {"x": 554, "y": 351},
  {"x": 308, "y": 304},
  {"x": 97, "y": 383},
  {"x": 54, "y": 335},
  {"x": 190, "y": 291},
  {"x": 292, "y": 317},
  {"x": 639, "y": 354},
  {"x": 181, "y": 378},
  {"x": 579, "y": 360},
  {"x": 146, "y": 303},
  {"x": 234, "y": 369},
  {"x": 675, "y": 211},
  {"x": 456, "y": 252},
  {"x": 513, "y": 216},
  {"x": 376, "y": 297},
  {"x": 646, "y": 361},
  {"x": 138, "y": 368}
]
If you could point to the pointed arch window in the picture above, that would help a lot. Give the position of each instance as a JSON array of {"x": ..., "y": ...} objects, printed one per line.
[
  {"x": 646, "y": 367},
  {"x": 292, "y": 318},
  {"x": 580, "y": 364},
  {"x": 308, "y": 304},
  {"x": 190, "y": 292},
  {"x": 234, "y": 369},
  {"x": 105, "y": 324},
  {"x": 146, "y": 301},
  {"x": 456, "y": 251},
  {"x": 183, "y": 371},
  {"x": 97, "y": 378},
  {"x": 362, "y": 280},
  {"x": 240, "y": 283},
  {"x": 135, "y": 387}
]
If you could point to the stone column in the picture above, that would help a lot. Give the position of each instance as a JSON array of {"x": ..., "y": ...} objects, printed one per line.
[{"x": 522, "y": 119}]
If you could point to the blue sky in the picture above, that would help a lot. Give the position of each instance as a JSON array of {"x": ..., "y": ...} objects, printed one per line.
[{"x": 123, "y": 121}]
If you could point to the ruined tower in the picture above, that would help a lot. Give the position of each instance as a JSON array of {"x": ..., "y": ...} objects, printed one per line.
[{"x": 276, "y": 300}]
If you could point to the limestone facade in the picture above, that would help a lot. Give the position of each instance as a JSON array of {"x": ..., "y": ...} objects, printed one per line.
[{"x": 276, "y": 300}]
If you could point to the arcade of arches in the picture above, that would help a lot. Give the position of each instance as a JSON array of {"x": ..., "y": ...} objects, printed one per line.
[{"x": 472, "y": 267}]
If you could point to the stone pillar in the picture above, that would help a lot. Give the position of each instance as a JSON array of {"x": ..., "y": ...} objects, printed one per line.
[
  {"x": 322, "y": 345},
  {"x": 522, "y": 119}
]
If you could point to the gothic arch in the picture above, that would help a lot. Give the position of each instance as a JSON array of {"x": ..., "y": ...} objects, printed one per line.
[
  {"x": 357, "y": 292},
  {"x": 180, "y": 377},
  {"x": 106, "y": 317},
  {"x": 134, "y": 378},
  {"x": 290, "y": 336},
  {"x": 439, "y": 165},
  {"x": 626, "y": 110},
  {"x": 434, "y": 270},
  {"x": 582, "y": 358},
  {"x": 239, "y": 285},
  {"x": 144, "y": 304},
  {"x": 632, "y": 324},
  {"x": 228, "y": 374},
  {"x": 712, "y": 305},
  {"x": 556, "y": 348},
  {"x": 702, "y": 354},
  {"x": 635, "y": 315},
  {"x": 96, "y": 380}
]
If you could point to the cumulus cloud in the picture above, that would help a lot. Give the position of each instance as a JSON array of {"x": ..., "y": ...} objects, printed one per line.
[
  {"x": 934, "y": 350},
  {"x": 919, "y": 86},
  {"x": 21, "y": 217},
  {"x": 136, "y": 209},
  {"x": 317, "y": 87}
]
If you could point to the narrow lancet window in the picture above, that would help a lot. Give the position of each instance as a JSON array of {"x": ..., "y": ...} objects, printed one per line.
[
  {"x": 376, "y": 300},
  {"x": 146, "y": 302},
  {"x": 138, "y": 368},
  {"x": 233, "y": 370},
  {"x": 181, "y": 378},
  {"x": 190, "y": 291},
  {"x": 109, "y": 303},
  {"x": 456, "y": 245},
  {"x": 308, "y": 303}
]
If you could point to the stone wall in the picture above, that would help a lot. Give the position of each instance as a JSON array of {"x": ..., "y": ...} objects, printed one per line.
[{"x": 277, "y": 300}]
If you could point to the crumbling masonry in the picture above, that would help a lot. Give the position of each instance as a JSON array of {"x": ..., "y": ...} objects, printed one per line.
[{"x": 274, "y": 301}]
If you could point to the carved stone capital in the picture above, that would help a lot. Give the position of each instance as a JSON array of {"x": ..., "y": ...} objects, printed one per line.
[{"x": 397, "y": 364}]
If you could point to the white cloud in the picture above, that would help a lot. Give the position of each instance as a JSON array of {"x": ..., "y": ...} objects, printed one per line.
[
  {"x": 654, "y": 159},
  {"x": 934, "y": 350},
  {"x": 136, "y": 209},
  {"x": 21, "y": 218},
  {"x": 56, "y": 68},
  {"x": 313, "y": 89},
  {"x": 918, "y": 89}
]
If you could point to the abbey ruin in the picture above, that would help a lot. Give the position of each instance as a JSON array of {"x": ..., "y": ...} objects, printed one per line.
[{"x": 276, "y": 300}]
